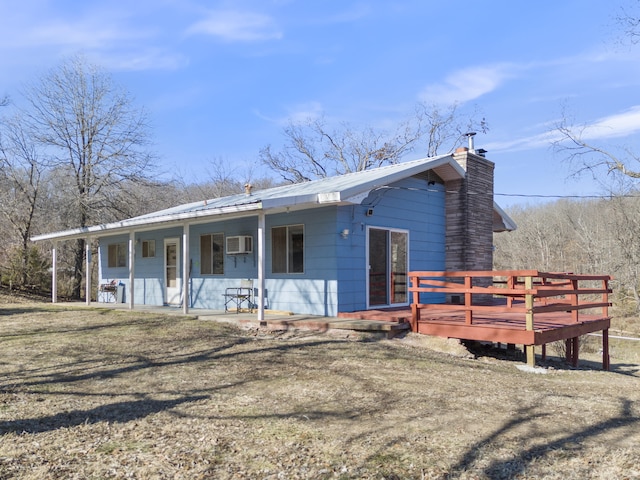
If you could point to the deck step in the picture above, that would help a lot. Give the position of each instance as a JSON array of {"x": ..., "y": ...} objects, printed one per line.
[{"x": 369, "y": 325}]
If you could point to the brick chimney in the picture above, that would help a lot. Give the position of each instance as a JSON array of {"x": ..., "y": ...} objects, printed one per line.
[{"x": 469, "y": 213}]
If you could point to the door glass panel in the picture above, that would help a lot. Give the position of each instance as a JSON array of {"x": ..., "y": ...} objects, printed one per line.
[
  {"x": 398, "y": 267},
  {"x": 172, "y": 265},
  {"x": 378, "y": 263}
]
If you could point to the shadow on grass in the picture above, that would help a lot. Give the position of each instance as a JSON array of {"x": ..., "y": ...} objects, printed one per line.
[
  {"x": 516, "y": 466},
  {"x": 120, "y": 412},
  {"x": 557, "y": 362},
  {"x": 78, "y": 371},
  {"x": 49, "y": 330}
]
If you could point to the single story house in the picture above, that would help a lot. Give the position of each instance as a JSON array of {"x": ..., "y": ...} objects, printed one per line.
[{"x": 332, "y": 245}]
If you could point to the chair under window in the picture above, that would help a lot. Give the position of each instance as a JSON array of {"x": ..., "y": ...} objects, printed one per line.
[{"x": 237, "y": 297}]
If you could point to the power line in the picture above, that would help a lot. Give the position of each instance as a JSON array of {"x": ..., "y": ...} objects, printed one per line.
[{"x": 564, "y": 196}]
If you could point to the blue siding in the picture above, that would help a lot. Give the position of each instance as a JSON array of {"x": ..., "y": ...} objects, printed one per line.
[
  {"x": 149, "y": 272},
  {"x": 335, "y": 268},
  {"x": 314, "y": 291},
  {"x": 410, "y": 204},
  {"x": 207, "y": 290}
]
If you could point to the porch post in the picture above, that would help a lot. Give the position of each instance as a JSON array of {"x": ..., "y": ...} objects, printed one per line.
[
  {"x": 54, "y": 273},
  {"x": 186, "y": 274},
  {"x": 132, "y": 268},
  {"x": 87, "y": 277},
  {"x": 261, "y": 265}
]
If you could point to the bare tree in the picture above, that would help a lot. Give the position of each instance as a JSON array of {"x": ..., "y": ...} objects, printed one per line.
[
  {"x": 629, "y": 19},
  {"x": 21, "y": 169},
  {"x": 94, "y": 136},
  {"x": 224, "y": 178},
  {"x": 603, "y": 163},
  {"x": 314, "y": 149},
  {"x": 594, "y": 236}
]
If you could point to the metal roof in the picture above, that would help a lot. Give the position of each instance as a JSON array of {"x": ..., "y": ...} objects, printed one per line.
[{"x": 342, "y": 189}]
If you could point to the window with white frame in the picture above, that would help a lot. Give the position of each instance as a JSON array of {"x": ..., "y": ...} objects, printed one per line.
[
  {"x": 287, "y": 249},
  {"x": 117, "y": 255},
  {"x": 212, "y": 254},
  {"x": 148, "y": 248}
]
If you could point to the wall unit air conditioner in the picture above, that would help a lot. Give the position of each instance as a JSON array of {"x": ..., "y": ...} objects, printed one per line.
[{"x": 239, "y": 244}]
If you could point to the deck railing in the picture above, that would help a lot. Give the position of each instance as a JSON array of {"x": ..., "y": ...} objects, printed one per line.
[{"x": 526, "y": 291}]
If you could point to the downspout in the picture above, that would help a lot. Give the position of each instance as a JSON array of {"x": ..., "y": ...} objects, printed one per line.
[{"x": 261, "y": 266}]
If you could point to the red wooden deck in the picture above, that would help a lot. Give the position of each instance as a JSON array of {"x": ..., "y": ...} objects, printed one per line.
[
  {"x": 507, "y": 327},
  {"x": 523, "y": 307}
]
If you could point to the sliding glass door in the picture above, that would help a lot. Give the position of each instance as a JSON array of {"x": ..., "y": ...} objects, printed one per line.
[{"x": 388, "y": 256}]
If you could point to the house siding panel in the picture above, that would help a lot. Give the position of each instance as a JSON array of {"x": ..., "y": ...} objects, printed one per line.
[
  {"x": 335, "y": 265},
  {"x": 315, "y": 290},
  {"x": 411, "y": 204}
]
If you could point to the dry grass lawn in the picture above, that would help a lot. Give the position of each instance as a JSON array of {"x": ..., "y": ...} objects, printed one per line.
[{"x": 100, "y": 394}]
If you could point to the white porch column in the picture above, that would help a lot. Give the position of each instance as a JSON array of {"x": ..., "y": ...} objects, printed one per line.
[
  {"x": 87, "y": 269},
  {"x": 54, "y": 273},
  {"x": 185, "y": 269},
  {"x": 261, "y": 265},
  {"x": 132, "y": 266}
]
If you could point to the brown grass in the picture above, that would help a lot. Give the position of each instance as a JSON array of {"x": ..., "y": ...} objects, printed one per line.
[{"x": 96, "y": 394}]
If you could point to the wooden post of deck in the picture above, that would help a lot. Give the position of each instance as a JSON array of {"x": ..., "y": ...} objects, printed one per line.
[
  {"x": 575, "y": 314},
  {"x": 415, "y": 309},
  {"x": 511, "y": 284},
  {"x": 528, "y": 300},
  {"x": 606, "y": 365},
  {"x": 468, "y": 300},
  {"x": 606, "y": 360},
  {"x": 575, "y": 351},
  {"x": 568, "y": 350}
]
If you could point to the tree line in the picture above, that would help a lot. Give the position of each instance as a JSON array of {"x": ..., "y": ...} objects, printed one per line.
[{"x": 590, "y": 236}]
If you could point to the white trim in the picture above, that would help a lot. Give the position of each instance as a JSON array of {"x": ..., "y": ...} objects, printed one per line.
[
  {"x": 132, "y": 268},
  {"x": 261, "y": 264},
  {"x": 169, "y": 241},
  {"x": 151, "y": 223},
  {"x": 186, "y": 277},
  {"x": 54, "y": 273},
  {"x": 388, "y": 266},
  {"x": 87, "y": 271}
]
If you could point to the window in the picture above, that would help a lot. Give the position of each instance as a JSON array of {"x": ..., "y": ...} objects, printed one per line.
[
  {"x": 287, "y": 249},
  {"x": 212, "y": 254},
  {"x": 148, "y": 248},
  {"x": 117, "y": 253}
]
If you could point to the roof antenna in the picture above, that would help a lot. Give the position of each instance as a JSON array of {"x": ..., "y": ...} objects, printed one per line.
[{"x": 470, "y": 136}]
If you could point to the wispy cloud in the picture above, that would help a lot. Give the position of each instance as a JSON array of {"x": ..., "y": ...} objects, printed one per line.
[
  {"x": 468, "y": 84},
  {"x": 614, "y": 126},
  {"x": 617, "y": 125},
  {"x": 113, "y": 39},
  {"x": 306, "y": 111},
  {"x": 142, "y": 60},
  {"x": 84, "y": 33},
  {"x": 296, "y": 114},
  {"x": 237, "y": 26}
]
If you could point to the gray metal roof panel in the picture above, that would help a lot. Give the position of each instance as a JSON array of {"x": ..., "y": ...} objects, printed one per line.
[{"x": 326, "y": 190}]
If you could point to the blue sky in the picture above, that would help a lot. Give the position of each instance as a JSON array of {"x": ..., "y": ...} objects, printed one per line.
[{"x": 220, "y": 79}]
